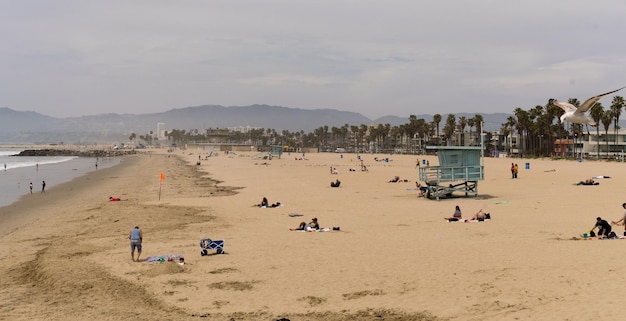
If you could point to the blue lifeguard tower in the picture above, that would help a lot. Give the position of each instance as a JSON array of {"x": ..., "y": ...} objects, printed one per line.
[
  {"x": 277, "y": 150},
  {"x": 459, "y": 170}
]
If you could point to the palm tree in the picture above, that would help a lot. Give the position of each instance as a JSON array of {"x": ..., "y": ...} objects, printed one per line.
[
  {"x": 510, "y": 123},
  {"x": 523, "y": 125},
  {"x": 437, "y": 121},
  {"x": 448, "y": 129},
  {"x": 596, "y": 114},
  {"x": 616, "y": 108},
  {"x": 478, "y": 122},
  {"x": 470, "y": 123},
  {"x": 462, "y": 124},
  {"x": 607, "y": 118}
]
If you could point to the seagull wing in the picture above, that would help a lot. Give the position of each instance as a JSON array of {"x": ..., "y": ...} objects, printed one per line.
[
  {"x": 567, "y": 107},
  {"x": 593, "y": 100}
]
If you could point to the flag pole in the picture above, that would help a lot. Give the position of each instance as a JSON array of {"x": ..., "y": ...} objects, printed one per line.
[{"x": 161, "y": 178}]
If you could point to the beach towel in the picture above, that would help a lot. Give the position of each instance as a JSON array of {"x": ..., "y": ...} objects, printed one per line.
[{"x": 164, "y": 258}]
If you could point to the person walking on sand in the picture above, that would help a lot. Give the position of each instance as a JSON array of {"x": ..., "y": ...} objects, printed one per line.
[
  {"x": 622, "y": 220},
  {"x": 31, "y": 187},
  {"x": 136, "y": 237},
  {"x": 512, "y": 170},
  {"x": 43, "y": 186}
]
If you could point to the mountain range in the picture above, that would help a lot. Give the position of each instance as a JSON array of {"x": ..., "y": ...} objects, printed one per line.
[{"x": 27, "y": 127}]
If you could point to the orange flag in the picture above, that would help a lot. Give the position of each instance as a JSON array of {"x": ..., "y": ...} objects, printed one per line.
[{"x": 162, "y": 176}]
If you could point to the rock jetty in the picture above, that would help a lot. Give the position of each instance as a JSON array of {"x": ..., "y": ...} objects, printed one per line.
[{"x": 80, "y": 153}]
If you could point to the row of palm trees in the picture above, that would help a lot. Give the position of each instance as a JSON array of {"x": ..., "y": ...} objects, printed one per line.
[
  {"x": 541, "y": 124},
  {"x": 537, "y": 128}
]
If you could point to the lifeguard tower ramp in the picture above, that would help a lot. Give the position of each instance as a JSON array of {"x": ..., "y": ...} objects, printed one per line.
[{"x": 459, "y": 171}]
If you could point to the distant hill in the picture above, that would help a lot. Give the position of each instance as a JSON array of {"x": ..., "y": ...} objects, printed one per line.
[{"x": 32, "y": 127}]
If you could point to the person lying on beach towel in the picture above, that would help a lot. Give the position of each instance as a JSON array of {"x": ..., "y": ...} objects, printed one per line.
[
  {"x": 601, "y": 176},
  {"x": 481, "y": 216},
  {"x": 588, "y": 181},
  {"x": 164, "y": 258},
  {"x": 397, "y": 179},
  {"x": 308, "y": 227},
  {"x": 114, "y": 199}
]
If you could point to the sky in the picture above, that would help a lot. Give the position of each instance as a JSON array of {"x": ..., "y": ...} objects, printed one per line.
[{"x": 69, "y": 58}]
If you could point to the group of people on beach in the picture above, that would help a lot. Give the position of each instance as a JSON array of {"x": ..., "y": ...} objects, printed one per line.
[
  {"x": 458, "y": 216},
  {"x": 308, "y": 227},
  {"x": 514, "y": 170},
  {"x": 43, "y": 187},
  {"x": 605, "y": 229}
]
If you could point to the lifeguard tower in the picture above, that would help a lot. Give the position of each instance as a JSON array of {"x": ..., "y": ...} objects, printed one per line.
[
  {"x": 277, "y": 150},
  {"x": 459, "y": 171}
]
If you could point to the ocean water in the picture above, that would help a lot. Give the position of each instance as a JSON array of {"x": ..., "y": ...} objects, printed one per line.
[{"x": 17, "y": 172}]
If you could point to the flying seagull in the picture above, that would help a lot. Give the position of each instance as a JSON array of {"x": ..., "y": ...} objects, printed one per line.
[{"x": 578, "y": 115}]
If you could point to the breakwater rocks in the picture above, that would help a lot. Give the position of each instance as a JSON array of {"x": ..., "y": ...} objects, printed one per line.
[{"x": 80, "y": 153}]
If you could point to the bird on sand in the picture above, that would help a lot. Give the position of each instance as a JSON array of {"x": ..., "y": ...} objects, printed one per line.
[{"x": 577, "y": 115}]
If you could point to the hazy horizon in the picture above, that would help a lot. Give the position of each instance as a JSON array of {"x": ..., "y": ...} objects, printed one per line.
[{"x": 71, "y": 58}]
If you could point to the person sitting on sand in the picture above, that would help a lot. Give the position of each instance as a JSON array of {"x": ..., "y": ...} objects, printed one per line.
[
  {"x": 481, "y": 216},
  {"x": 309, "y": 227},
  {"x": 336, "y": 183},
  {"x": 421, "y": 188},
  {"x": 264, "y": 202},
  {"x": 604, "y": 228},
  {"x": 456, "y": 216},
  {"x": 395, "y": 179}
]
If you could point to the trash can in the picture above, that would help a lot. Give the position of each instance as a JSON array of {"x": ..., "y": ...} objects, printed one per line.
[{"x": 527, "y": 165}]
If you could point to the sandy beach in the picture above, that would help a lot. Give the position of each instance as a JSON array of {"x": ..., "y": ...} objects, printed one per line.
[{"x": 67, "y": 257}]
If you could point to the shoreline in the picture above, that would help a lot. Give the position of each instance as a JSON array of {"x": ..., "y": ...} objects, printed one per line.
[
  {"x": 394, "y": 257},
  {"x": 14, "y": 184}
]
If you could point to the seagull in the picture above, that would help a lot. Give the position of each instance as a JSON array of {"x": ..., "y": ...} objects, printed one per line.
[{"x": 578, "y": 115}]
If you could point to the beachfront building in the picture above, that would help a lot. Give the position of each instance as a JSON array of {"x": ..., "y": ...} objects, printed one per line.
[
  {"x": 605, "y": 145},
  {"x": 592, "y": 145}
]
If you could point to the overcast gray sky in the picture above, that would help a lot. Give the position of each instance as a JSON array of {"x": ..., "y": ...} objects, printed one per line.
[{"x": 395, "y": 57}]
